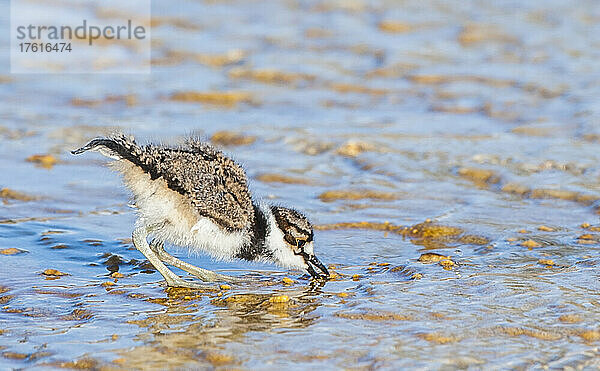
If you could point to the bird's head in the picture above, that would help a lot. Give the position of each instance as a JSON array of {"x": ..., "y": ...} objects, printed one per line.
[{"x": 291, "y": 242}]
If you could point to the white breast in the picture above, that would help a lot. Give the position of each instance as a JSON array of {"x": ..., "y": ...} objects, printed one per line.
[{"x": 215, "y": 240}]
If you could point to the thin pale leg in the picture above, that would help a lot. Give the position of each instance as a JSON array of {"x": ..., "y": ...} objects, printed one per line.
[
  {"x": 139, "y": 241},
  {"x": 205, "y": 275}
]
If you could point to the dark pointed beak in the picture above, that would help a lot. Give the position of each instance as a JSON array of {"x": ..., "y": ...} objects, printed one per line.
[{"x": 311, "y": 260}]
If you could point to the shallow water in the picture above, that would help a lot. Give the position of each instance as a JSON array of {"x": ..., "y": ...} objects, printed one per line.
[{"x": 479, "y": 116}]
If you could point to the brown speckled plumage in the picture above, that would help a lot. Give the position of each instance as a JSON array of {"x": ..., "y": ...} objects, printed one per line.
[{"x": 215, "y": 184}]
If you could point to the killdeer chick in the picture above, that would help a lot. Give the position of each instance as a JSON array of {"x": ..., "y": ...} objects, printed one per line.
[{"x": 194, "y": 196}]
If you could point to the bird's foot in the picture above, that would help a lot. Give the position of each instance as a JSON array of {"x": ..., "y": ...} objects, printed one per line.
[{"x": 209, "y": 276}]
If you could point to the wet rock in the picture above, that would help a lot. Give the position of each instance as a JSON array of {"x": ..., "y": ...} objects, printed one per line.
[
  {"x": 438, "y": 338},
  {"x": 218, "y": 359},
  {"x": 546, "y": 262},
  {"x": 516, "y": 188},
  {"x": 570, "y": 318},
  {"x": 227, "y": 99},
  {"x": 544, "y": 228},
  {"x": 11, "y": 251},
  {"x": 530, "y": 244},
  {"x": 270, "y": 76},
  {"x": 479, "y": 176},
  {"x": 230, "y": 138},
  {"x": 470, "y": 239},
  {"x": 430, "y": 257},
  {"x": 358, "y": 89},
  {"x": 394, "y": 27},
  {"x": 45, "y": 161},
  {"x": 375, "y": 316},
  {"x": 130, "y": 100},
  {"x": 447, "y": 264},
  {"x": 590, "y": 335},
  {"x": 78, "y": 315},
  {"x": 278, "y": 299},
  {"x": 54, "y": 273},
  {"x": 538, "y": 334},
  {"x": 354, "y": 148},
  {"x": 430, "y": 230},
  {"x": 279, "y": 178},
  {"x": 474, "y": 34},
  {"x": 9, "y": 194},
  {"x": 15, "y": 355},
  {"x": 329, "y": 196}
]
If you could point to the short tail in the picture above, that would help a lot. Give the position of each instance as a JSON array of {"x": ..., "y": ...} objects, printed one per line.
[{"x": 119, "y": 147}]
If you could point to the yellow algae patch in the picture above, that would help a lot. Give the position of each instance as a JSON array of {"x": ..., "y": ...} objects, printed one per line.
[
  {"x": 590, "y": 335},
  {"x": 182, "y": 23},
  {"x": 356, "y": 277},
  {"x": 54, "y": 272},
  {"x": 219, "y": 60},
  {"x": 78, "y": 315},
  {"x": 544, "y": 228},
  {"x": 361, "y": 225},
  {"x": 9, "y": 194},
  {"x": 345, "y": 88},
  {"x": 354, "y": 148},
  {"x": 428, "y": 79},
  {"x": 538, "y": 334},
  {"x": 431, "y": 257},
  {"x": 317, "y": 33},
  {"x": 117, "y": 275},
  {"x": 478, "y": 176},
  {"x": 278, "y": 299},
  {"x": 11, "y": 251},
  {"x": 229, "y": 99},
  {"x": 434, "y": 337},
  {"x": 329, "y": 196},
  {"x": 546, "y": 262},
  {"x": 107, "y": 284},
  {"x": 473, "y": 240},
  {"x": 516, "y": 188},
  {"x": 586, "y": 236},
  {"x": 287, "y": 281},
  {"x": 279, "y": 178},
  {"x": 530, "y": 244},
  {"x": 218, "y": 359},
  {"x": 570, "y": 318},
  {"x": 14, "y": 355},
  {"x": 585, "y": 225},
  {"x": 129, "y": 99},
  {"x": 475, "y": 34},
  {"x": 447, "y": 264},
  {"x": 454, "y": 108},
  {"x": 434, "y": 231},
  {"x": 270, "y": 76},
  {"x": 375, "y": 316},
  {"x": 554, "y": 193},
  {"x": 45, "y": 161},
  {"x": 230, "y": 138},
  {"x": 225, "y": 287},
  {"x": 81, "y": 364},
  {"x": 394, "y": 27}
]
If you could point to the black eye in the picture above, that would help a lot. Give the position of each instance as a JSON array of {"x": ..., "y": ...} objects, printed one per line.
[{"x": 300, "y": 243}]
